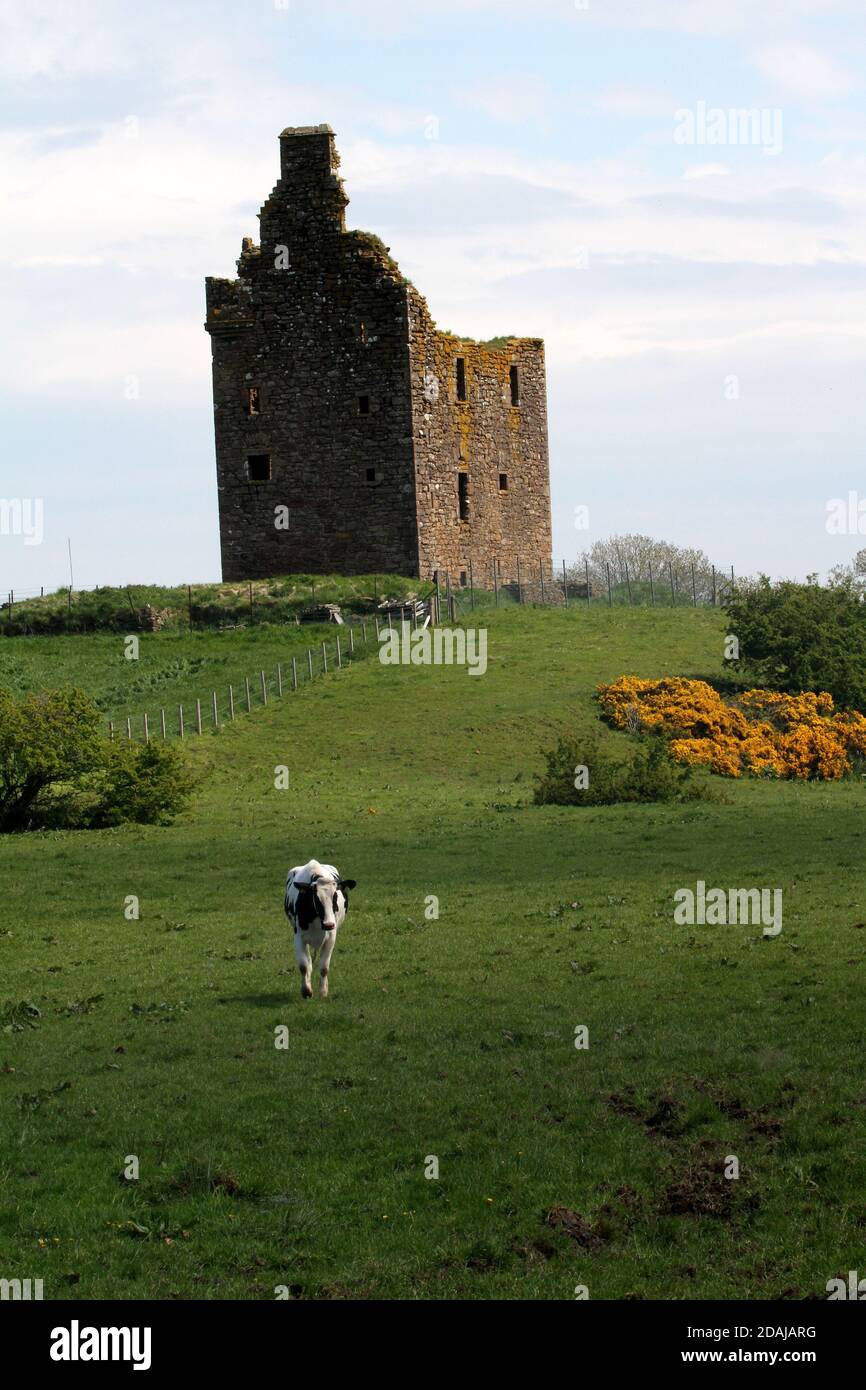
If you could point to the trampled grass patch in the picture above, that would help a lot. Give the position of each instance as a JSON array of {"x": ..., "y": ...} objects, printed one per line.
[{"x": 449, "y": 1037}]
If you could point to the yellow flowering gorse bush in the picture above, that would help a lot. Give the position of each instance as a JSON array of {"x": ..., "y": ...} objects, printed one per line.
[{"x": 760, "y": 731}]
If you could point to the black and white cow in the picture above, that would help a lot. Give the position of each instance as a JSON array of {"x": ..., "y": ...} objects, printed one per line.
[{"x": 317, "y": 900}]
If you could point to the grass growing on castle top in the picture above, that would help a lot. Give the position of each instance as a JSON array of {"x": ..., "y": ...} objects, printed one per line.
[{"x": 451, "y": 1037}]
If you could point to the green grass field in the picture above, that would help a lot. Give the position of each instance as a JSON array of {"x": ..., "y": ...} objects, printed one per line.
[
  {"x": 305, "y": 1166},
  {"x": 172, "y": 667}
]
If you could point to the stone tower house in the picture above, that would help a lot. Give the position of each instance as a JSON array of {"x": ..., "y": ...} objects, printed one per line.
[{"x": 352, "y": 435}]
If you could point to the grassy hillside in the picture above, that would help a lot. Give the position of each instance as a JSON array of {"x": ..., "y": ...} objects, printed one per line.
[
  {"x": 172, "y": 667},
  {"x": 199, "y": 606},
  {"x": 452, "y": 1037}
]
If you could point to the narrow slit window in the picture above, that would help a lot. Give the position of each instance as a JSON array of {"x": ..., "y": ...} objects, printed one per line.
[
  {"x": 463, "y": 579},
  {"x": 362, "y": 332},
  {"x": 503, "y": 482},
  {"x": 254, "y": 400},
  {"x": 514, "y": 377},
  {"x": 463, "y": 496},
  {"x": 259, "y": 468},
  {"x": 363, "y": 405},
  {"x": 374, "y": 475},
  {"x": 461, "y": 378}
]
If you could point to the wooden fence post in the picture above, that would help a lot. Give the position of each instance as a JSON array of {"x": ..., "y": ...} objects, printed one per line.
[
  {"x": 325, "y": 651},
  {"x": 231, "y": 702},
  {"x": 248, "y": 695},
  {"x": 129, "y": 729},
  {"x": 180, "y": 720},
  {"x": 198, "y": 716},
  {"x": 146, "y": 729},
  {"x": 364, "y": 632},
  {"x": 264, "y": 688},
  {"x": 339, "y": 653},
  {"x": 111, "y": 729},
  {"x": 162, "y": 724},
  {"x": 310, "y": 661},
  {"x": 294, "y": 673},
  {"x": 216, "y": 718},
  {"x": 351, "y": 640},
  {"x": 279, "y": 678}
]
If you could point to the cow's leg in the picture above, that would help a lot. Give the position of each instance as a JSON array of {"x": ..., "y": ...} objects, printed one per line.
[
  {"x": 305, "y": 965},
  {"x": 325, "y": 962}
]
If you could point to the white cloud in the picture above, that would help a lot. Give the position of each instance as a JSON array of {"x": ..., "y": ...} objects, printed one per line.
[
  {"x": 705, "y": 171},
  {"x": 804, "y": 72}
]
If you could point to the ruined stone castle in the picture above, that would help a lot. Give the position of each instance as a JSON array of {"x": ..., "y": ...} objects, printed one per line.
[{"x": 352, "y": 435}]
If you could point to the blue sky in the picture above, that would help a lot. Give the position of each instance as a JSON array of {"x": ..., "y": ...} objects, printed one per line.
[{"x": 702, "y": 303}]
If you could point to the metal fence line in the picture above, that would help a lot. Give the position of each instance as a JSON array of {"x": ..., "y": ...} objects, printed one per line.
[{"x": 317, "y": 664}]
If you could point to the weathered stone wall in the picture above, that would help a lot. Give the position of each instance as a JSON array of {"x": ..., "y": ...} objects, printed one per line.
[
  {"x": 488, "y": 439},
  {"x": 312, "y": 328},
  {"x": 354, "y": 423}
]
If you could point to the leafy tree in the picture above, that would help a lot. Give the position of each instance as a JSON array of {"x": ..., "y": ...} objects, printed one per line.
[
  {"x": 46, "y": 739},
  {"x": 631, "y": 559},
  {"x": 810, "y": 636},
  {"x": 56, "y": 768}
]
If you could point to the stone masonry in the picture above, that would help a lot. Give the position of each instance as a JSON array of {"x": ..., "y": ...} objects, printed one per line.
[{"x": 352, "y": 435}]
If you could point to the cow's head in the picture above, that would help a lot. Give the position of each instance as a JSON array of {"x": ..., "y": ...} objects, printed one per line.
[{"x": 322, "y": 895}]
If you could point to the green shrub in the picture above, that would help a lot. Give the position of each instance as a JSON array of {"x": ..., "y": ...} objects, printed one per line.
[
  {"x": 57, "y": 769},
  {"x": 650, "y": 773},
  {"x": 143, "y": 782},
  {"x": 46, "y": 740},
  {"x": 795, "y": 637},
  {"x": 556, "y": 786}
]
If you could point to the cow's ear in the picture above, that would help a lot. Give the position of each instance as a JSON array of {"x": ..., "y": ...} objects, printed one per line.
[{"x": 348, "y": 883}]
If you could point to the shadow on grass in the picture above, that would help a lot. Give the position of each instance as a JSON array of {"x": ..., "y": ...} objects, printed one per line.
[{"x": 261, "y": 1001}]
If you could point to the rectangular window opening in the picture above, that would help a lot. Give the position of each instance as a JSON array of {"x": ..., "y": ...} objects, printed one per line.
[
  {"x": 374, "y": 475},
  {"x": 363, "y": 405},
  {"x": 514, "y": 377},
  {"x": 461, "y": 378},
  {"x": 259, "y": 468},
  {"x": 503, "y": 482},
  {"x": 254, "y": 400},
  {"x": 463, "y": 496},
  {"x": 362, "y": 332}
]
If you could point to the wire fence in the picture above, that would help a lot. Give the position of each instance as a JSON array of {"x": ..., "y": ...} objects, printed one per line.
[
  {"x": 215, "y": 709},
  {"x": 533, "y": 582}
]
